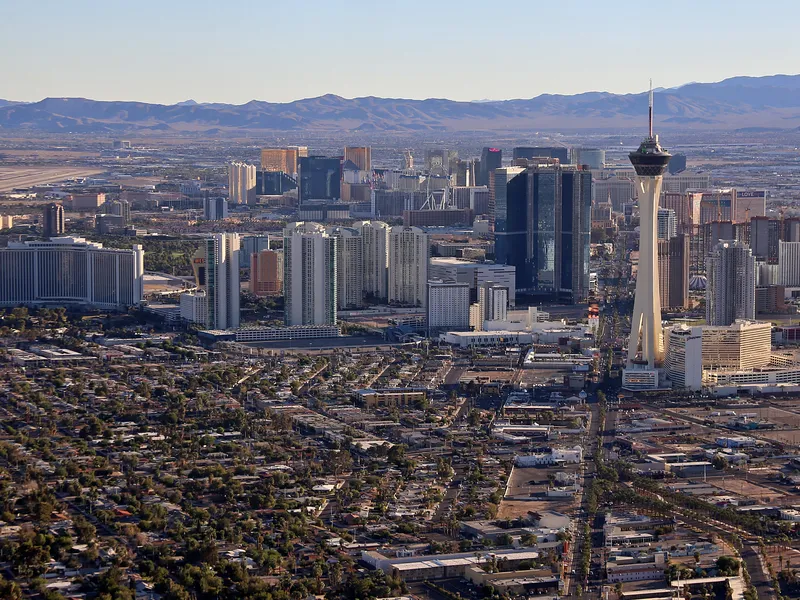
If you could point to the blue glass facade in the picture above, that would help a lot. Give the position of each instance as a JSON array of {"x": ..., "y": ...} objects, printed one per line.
[
  {"x": 543, "y": 228},
  {"x": 319, "y": 178},
  {"x": 510, "y": 220}
]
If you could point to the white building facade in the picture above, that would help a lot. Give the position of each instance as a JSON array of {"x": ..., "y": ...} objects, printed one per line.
[
  {"x": 789, "y": 264},
  {"x": 349, "y": 267},
  {"x": 448, "y": 306},
  {"x": 409, "y": 252},
  {"x": 241, "y": 183},
  {"x": 375, "y": 239},
  {"x": 731, "y": 288},
  {"x": 309, "y": 275},
  {"x": 684, "y": 357},
  {"x": 71, "y": 271}
]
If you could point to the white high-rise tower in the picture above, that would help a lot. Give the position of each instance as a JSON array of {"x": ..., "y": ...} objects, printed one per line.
[{"x": 646, "y": 343}]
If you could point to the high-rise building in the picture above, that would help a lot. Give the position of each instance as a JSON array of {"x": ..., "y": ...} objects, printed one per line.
[
  {"x": 407, "y": 164},
  {"x": 279, "y": 160},
  {"x": 673, "y": 272},
  {"x": 731, "y": 287},
  {"x": 791, "y": 229},
  {"x": 194, "y": 307},
  {"x": 507, "y": 206},
  {"x": 765, "y": 233},
  {"x": 53, "y": 221},
  {"x": 619, "y": 191},
  {"x": 360, "y": 156},
  {"x": 274, "y": 183},
  {"x": 749, "y": 204},
  {"x": 677, "y": 164},
  {"x": 558, "y": 227},
  {"x": 741, "y": 346},
  {"x": 526, "y": 152},
  {"x": 309, "y": 275},
  {"x": 215, "y": 208},
  {"x": 409, "y": 252},
  {"x": 650, "y": 161},
  {"x": 319, "y": 178},
  {"x": 67, "y": 271},
  {"x": 349, "y": 267},
  {"x": 251, "y": 244},
  {"x": 120, "y": 208},
  {"x": 686, "y": 207},
  {"x": 448, "y": 306},
  {"x": 542, "y": 218},
  {"x": 717, "y": 205},
  {"x": 86, "y": 202},
  {"x": 474, "y": 273},
  {"x": 492, "y": 302},
  {"x": 666, "y": 225},
  {"x": 266, "y": 273},
  {"x": 684, "y": 359},
  {"x": 241, "y": 183},
  {"x": 216, "y": 271},
  {"x": 591, "y": 158},
  {"x": 375, "y": 238},
  {"x": 6, "y": 221},
  {"x": 789, "y": 264},
  {"x": 491, "y": 159},
  {"x": 683, "y": 182},
  {"x": 436, "y": 160}
]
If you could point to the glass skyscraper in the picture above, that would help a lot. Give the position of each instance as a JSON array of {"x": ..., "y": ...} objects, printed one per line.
[
  {"x": 319, "y": 178},
  {"x": 542, "y": 226}
]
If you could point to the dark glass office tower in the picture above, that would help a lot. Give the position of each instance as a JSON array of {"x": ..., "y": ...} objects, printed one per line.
[
  {"x": 576, "y": 233},
  {"x": 508, "y": 208},
  {"x": 527, "y": 152},
  {"x": 542, "y": 224},
  {"x": 274, "y": 183},
  {"x": 319, "y": 178},
  {"x": 491, "y": 159}
]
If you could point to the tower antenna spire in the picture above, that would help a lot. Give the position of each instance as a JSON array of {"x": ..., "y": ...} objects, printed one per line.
[{"x": 650, "y": 111}]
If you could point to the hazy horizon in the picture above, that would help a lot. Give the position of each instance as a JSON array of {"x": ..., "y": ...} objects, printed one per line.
[{"x": 477, "y": 101}]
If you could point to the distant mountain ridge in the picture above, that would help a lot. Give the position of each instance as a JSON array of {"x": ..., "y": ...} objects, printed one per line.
[{"x": 735, "y": 103}]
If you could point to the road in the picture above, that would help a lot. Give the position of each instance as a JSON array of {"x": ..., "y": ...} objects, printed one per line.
[{"x": 573, "y": 560}]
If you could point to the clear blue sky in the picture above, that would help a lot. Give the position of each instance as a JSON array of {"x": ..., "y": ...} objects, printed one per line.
[{"x": 281, "y": 50}]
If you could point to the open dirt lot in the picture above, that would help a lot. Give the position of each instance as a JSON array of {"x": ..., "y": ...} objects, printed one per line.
[
  {"x": 526, "y": 481},
  {"x": 748, "y": 489},
  {"x": 21, "y": 177}
]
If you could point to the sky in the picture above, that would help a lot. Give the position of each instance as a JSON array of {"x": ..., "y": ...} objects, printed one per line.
[{"x": 234, "y": 51}]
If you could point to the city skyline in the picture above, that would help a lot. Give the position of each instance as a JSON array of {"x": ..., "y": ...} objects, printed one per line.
[{"x": 164, "y": 53}]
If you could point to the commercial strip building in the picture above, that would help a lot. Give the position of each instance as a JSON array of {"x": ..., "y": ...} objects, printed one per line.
[
  {"x": 469, "y": 339},
  {"x": 442, "y": 566},
  {"x": 69, "y": 271},
  {"x": 387, "y": 397},
  {"x": 270, "y": 334}
]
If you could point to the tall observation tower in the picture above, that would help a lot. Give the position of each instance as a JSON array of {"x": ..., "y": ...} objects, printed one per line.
[{"x": 650, "y": 162}]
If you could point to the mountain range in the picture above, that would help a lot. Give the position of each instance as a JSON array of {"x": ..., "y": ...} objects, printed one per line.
[{"x": 736, "y": 103}]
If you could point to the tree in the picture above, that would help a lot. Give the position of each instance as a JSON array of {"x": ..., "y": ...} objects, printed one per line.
[
  {"x": 719, "y": 462},
  {"x": 727, "y": 566}
]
